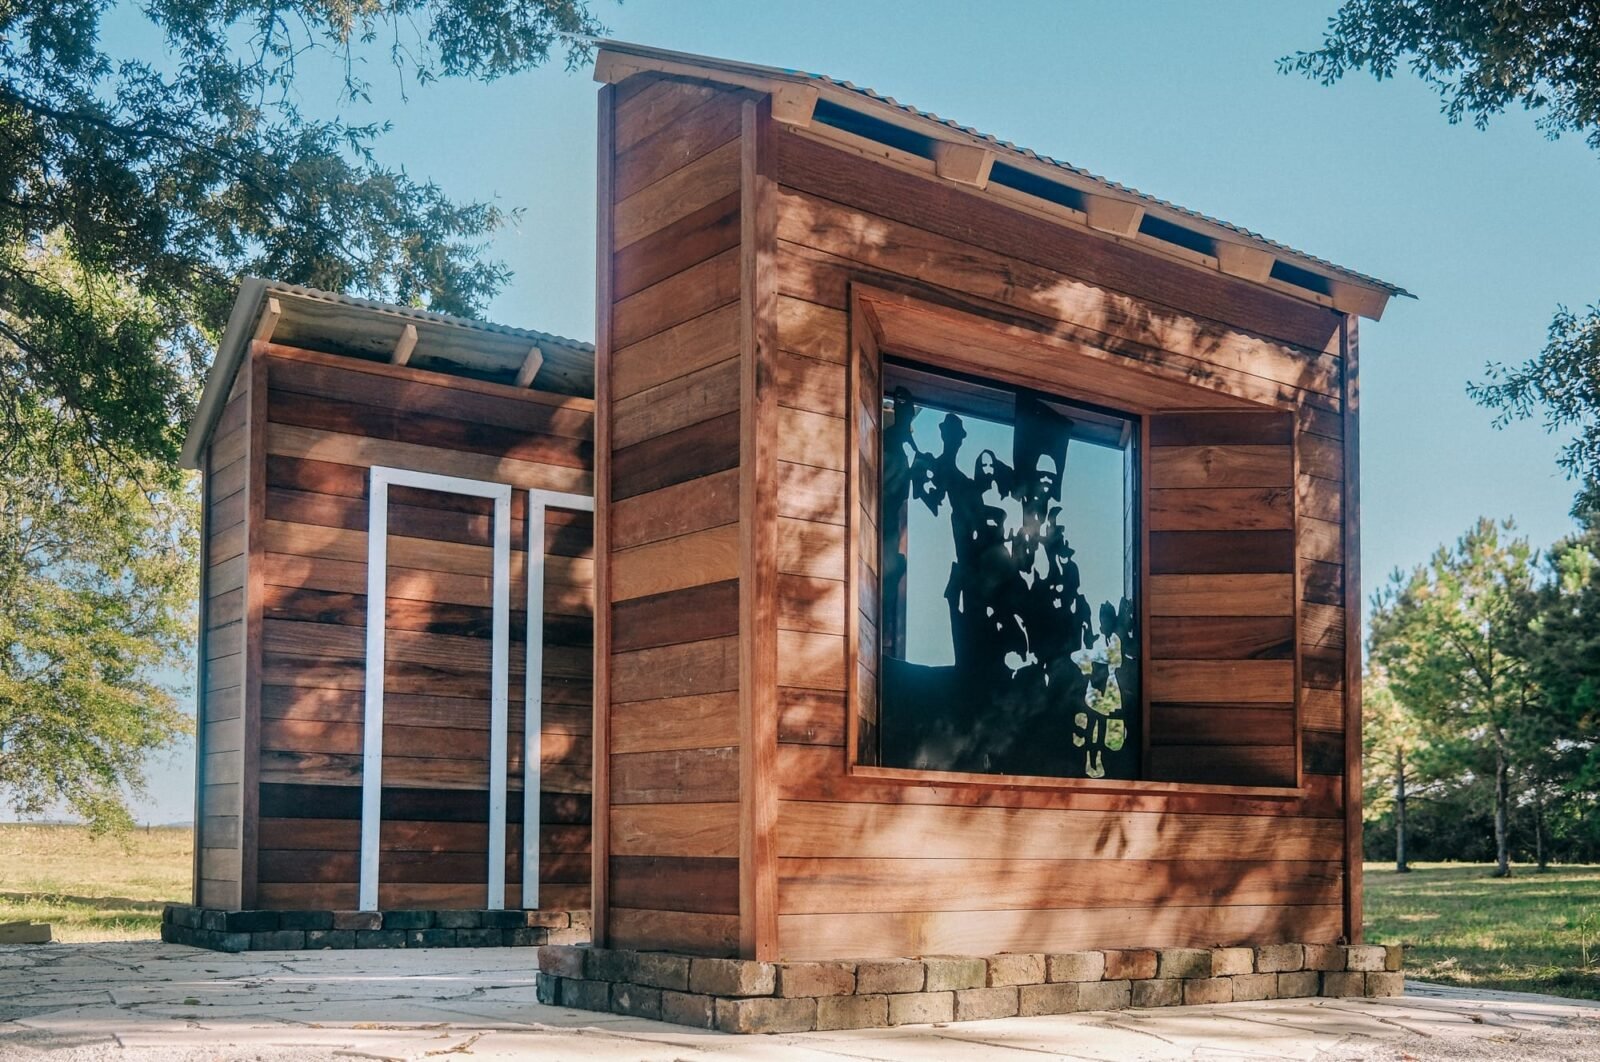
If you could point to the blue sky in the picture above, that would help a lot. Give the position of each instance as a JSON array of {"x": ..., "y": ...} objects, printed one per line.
[{"x": 1491, "y": 229}]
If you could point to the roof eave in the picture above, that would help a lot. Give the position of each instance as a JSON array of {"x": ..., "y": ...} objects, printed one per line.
[
  {"x": 259, "y": 304},
  {"x": 795, "y": 94},
  {"x": 219, "y": 380}
]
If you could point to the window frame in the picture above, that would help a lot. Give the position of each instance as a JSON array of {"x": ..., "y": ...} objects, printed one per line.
[
  {"x": 872, "y": 339},
  {"x": 1130, "y": 431}
]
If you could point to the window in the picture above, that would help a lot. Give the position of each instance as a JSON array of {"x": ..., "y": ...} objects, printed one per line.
[{"x": 1009, "y": 637}]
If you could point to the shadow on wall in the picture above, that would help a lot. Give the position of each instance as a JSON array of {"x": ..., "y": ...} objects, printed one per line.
[{"x": 1112, "y": 872}]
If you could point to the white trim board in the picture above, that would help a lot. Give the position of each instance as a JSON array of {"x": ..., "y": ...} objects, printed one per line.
[
  {"x": 533, "y": 696},
  {"x": 379, "y": 481}
]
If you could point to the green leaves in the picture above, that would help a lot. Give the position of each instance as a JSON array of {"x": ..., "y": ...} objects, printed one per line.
[
  {"x": 176, "y": 181},
  {"x": 1482, "y": 58},
  {"x": 132, "y": 198},
  {"x": 97, "y": 590},
  {"x": 1451, "y": 638},
  {"x": 1563, "y": 380}
]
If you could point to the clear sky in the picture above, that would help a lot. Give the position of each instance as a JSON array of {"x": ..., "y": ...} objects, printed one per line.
[{"x": 1491, "y": 229}]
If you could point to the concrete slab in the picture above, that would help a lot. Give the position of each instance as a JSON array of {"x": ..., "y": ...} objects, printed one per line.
[{"x": 143, "y": 1001}]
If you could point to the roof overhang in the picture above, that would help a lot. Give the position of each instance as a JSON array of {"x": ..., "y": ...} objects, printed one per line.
[
  {"x": 966, "y": 156},
  {"x": 271, "y": 311}
]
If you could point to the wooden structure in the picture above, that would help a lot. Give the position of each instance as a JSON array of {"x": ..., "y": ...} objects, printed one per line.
[
  {"x": 770, "y": 241},
  {"x": 376, "y": 480}
]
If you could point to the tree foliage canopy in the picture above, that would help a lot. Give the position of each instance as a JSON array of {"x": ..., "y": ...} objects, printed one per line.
[
  {"x": 97, "y": 591},
  {"x": 1483, "y": 58},
  {"x": 1448, "y": 635},
  {"x": 178, "y": 178},
  {"x": 1480, "y": 57},
  {"x": 150, "y": 154},
  {"x": 1484, "y": 700}
]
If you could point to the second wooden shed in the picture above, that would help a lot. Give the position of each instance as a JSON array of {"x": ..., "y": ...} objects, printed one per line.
[{"x": 394, "y": 708}]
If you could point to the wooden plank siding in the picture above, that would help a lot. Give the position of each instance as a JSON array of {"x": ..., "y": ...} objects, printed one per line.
[
  {"x": 671, "y": 376},
  {"x": 975, "y": 869},
  {"x": 325, "y": 419},
  {"x": 220, "y": 712},
  {"x": 1221, "y": 684},
  {"x": 740, "y": 815}
]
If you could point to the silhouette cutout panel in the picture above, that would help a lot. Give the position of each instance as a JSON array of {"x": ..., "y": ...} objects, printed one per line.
[{"x": 1009, "y": 641}]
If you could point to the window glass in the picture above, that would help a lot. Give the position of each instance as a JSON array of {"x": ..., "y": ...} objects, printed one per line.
[{"x": 1009, "y": 637}]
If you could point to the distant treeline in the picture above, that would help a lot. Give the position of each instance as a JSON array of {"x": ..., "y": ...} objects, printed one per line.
[{"x": 1482, "y": 703}]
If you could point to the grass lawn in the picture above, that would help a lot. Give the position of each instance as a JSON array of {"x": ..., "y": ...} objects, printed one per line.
[
  {"x": 1526, "y": 933},
  {"x": 90, "y": 888}
]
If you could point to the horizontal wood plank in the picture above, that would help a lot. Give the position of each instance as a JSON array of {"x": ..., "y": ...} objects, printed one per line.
[{"x": 707, "y": 830}]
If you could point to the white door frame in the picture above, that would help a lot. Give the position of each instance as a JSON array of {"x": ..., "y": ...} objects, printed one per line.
[
  {"x": 533, "y": 697},
  {"x": 381, "y": 477}
]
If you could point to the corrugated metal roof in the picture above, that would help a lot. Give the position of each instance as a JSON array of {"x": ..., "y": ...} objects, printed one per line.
[
  {"x": 879, "y": 99},
  {"x": 534, "y": 337},
  {"x": 444, "y": 343}
]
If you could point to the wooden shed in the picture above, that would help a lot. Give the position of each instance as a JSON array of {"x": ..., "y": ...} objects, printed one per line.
[
  {"x": 978, "y": 537},
  {"x": 394, "y": 703}
]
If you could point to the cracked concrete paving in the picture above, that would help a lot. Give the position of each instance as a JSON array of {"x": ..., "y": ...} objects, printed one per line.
[{"x": 144, "y": 1001}]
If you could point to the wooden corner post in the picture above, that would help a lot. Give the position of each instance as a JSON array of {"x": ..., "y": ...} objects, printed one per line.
[
  {"x": 758, "y": 541},
  {"x": 600, "y": 796},
  {"x": 254, "y": 604},
  {"x": 1351, "y": 401}
]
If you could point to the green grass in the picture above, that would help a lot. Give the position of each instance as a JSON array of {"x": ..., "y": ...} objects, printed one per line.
[
  {"x": 90, "y": 888},
  {"x": 1531, "y": 932}
]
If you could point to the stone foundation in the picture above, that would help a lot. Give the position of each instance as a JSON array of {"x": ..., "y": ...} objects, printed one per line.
[
  {"x": 744, "y": 996},
  {"x": 219, "y": 930}
]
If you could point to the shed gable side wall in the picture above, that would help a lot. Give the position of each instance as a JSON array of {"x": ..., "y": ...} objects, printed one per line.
[{"x": 220, "y": 724}]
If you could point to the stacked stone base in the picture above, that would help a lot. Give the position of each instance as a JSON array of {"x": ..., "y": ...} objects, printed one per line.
[
  {"x": 744, "y": 996},
  {"x": 234, "y": 931}
]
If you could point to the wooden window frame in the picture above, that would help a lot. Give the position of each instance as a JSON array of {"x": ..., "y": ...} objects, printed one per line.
[{"x": 923, "y": 329}]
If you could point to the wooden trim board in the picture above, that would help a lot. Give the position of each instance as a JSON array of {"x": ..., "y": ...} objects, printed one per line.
[
  {"x": 1352, "y": 632},
  {"x": 533, "y": 690},
  {"x": 758, "y": 554},
  {"x": 600, "y": 817},
  {"x": 380, "y": 478}
]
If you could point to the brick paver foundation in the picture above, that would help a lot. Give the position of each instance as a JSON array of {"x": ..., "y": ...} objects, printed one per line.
[
  {"x": 205, "y": 927},
  {"x": 744, "y": 996}
]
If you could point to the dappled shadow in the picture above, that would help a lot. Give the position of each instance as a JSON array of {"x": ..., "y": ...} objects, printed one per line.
[{"x": 99, "y": 903}]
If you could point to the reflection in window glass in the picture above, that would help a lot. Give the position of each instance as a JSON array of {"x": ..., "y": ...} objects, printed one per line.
[{"x": 1009, "y": 636}]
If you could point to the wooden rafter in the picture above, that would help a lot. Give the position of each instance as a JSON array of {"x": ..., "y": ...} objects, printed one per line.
[
  {"x": 530, "y": 367},
  {"x": 404, "y": 345},
  {"x": 1116, "y": 216},
  {"x": 268, "y": 322},
  {"x": 794, "y": 104},
  {"x": 963, "y": 163},
  {"x": 1251, "y": 263}
]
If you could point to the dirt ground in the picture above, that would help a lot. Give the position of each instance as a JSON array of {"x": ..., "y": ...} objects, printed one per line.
[{"x": 137, "y": 1000}]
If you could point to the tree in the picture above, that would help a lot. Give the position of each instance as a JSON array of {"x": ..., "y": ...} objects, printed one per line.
[
  {"x": 134, "y": 191},
  {"x": 1483, "y": 58},
  {"x": 1447, "y": 635},
  {"x": 176, "y": 181},
  {"x": 1562, "y": 647},
  {"x": 97, "y": 587},
  {"x": 1391, "y": 736}
]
